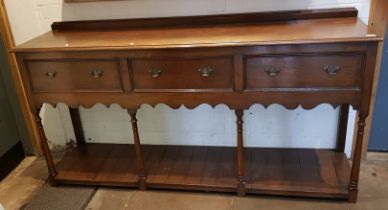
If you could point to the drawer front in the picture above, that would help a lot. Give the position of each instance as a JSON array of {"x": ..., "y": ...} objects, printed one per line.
[
  {"x": 305, "y": 71},
  {"x": 75, "y": 75},
  {"x": 169, "y": 74}
]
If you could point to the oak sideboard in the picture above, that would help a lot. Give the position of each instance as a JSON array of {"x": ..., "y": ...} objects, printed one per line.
[{"x": 293, "y": 58}]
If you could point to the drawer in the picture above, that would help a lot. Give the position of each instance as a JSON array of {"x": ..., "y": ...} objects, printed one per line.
[
  {"x": 180, "y": 74},
  {"x": 75, "y": 75},
  {"x": 304, "y": 71}
]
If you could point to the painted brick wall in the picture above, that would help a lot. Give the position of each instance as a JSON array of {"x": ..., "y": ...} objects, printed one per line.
[{"x": 272, "y": 127}]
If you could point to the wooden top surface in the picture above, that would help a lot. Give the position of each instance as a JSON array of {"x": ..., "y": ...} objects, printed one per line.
[{"x": 344, "y": 29}]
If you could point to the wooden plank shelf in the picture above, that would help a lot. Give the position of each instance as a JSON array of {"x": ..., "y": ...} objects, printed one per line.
[
  {"x": 99, "y": 164},
  {"x": 297, "y": 172},
  {"x": 191, "y": 167},
  {"x": 293, "y": 172}
]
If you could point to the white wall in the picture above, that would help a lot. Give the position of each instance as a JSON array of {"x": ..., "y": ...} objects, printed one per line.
[{"x": 272, "y": 127}]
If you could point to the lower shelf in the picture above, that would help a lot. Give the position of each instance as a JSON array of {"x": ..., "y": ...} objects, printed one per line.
[
  {"x": 191, "y": 167},
  {"x": 297, "y": 172},
  {"x": 99, "y": 164},
  {"x": 292, "y": 172}
]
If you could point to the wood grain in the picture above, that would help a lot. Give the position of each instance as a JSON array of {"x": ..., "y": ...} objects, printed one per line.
[
  {"x": 319, "y": 173},
  {"x": 74, "y": 75},
  {"x": 139, "y": 154},
  {"x": 363, "y": 113},
  {"x": 330, "y": 30},
  {"x": 303, "y": 62},
  {"x": 219, "y": 19},
  {"x": 103, "y": 164},
  {"x": 240, "y": 153},
  {"x": 184, "y": 74},
  {"x": 180, "y": 82},
  {"x": 294, "y": 172},
  {"x": 304, "y": 71}
]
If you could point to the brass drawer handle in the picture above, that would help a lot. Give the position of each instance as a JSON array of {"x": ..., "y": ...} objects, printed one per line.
[
  {"x": 272, "y": 70},
  {"x": 51, "y": 74},
  {"x": 205, "y": 71},
  {"x": 155, "y": 72},
  {"x": 332, "y": 69},
  {"x": 97, "y": 73}
]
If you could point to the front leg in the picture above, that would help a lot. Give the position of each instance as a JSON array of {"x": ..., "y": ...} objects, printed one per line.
[
  {"x": 46, "y": 150},
  {"x": 139, "y": 156},
  {"x": 240, "y": 153}
]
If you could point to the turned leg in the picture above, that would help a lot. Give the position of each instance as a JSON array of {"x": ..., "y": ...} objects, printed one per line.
[
  {"x": 139, "y": 156},
  {"x": 355, "y": 173},
  {"x": 240, "y": 153},
  {"x": 342, "y": 127},
  {"x": 78, "y": 131},
  {"x": 46, "y": 150}
]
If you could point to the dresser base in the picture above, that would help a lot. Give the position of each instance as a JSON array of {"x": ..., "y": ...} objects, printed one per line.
[{"x": 289, "y": 172}]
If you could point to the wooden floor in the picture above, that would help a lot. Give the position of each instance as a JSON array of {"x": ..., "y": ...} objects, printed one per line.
[{"x": 304, "y": 172}]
